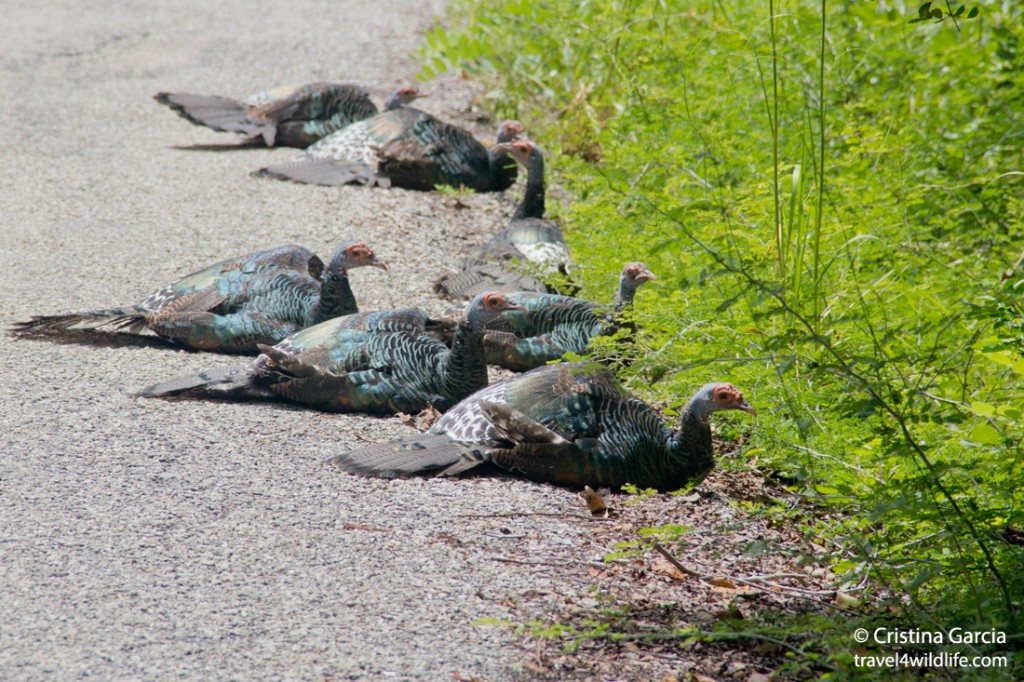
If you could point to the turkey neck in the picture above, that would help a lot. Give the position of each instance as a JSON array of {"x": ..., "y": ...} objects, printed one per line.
[
  {"x": 504, "y": 169},
  {"x": 691, "y": 446},
  {"x": 532, "y": 204},
  {"x": 336, "y": 297},
  {"x": 465, "y": 368},
  {"x": 624, "y": 297}
]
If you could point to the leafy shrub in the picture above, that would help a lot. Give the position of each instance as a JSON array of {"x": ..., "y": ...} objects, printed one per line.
[{"x": 833, "y": 207}]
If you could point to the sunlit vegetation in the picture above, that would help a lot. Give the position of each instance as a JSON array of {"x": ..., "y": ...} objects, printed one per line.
[{"x": 832, "y": 196}]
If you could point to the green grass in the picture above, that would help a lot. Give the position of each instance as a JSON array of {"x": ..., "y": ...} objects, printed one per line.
[{"x": 833, "y": 205}]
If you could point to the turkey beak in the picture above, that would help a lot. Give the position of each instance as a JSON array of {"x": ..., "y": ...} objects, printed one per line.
[
  {"x": 420, "y": 95},
  {"x": 379, "y": 264},
  {"x": 645, "y": 275},
  {"x": 515, "y": 305},
  {"x": 744, "y": 406}
]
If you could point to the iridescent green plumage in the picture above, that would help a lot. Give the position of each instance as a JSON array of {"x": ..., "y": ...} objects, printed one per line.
[
  {"x": 403, "y": 147},
  {"x": 232, "y": 306},
  {"x": 530, "y": 246},
  {"x": 288, "y": 116},
  {"x": 374, "y": 362},
  {"x": 570, "y": 424},
  {"x": 550, "y": 325}
]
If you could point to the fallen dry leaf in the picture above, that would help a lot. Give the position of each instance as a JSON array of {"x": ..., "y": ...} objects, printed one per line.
[
  {"x": 666, "y": 568},
  {"x": 731, "y": 613},
  {"x": 846, "y": 601},
  {"x": 427, "y": 417},
  {"x": 533, "y": 667},
  {"x": 767, "y": 648},
  {"x": 365, "y": 526},
  {"x": 595, "y": 503}
]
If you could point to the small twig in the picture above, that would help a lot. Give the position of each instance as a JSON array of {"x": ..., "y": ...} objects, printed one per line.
[
  {"x": 776, "y": 576},
  {"x": 508, "y": 515},
  {"x": 506, "y": 560},
  {"x": 675, "y": 562},
  {"x": 838, "y": 461},
  {"x": 710, "y": 636},
  {"x": 792, "y": 591},
  {"x": 365, "y": 526},
  {"x": 940, "y": 399},
  {"x": 759, "y": 582},
  {"x": 952, "y": 16}
]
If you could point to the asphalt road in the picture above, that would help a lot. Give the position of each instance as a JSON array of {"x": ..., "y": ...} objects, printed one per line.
[{"x": 144, "y": 539}]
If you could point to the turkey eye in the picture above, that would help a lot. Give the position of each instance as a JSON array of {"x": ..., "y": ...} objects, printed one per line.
[{"x": 723, "y": 396}]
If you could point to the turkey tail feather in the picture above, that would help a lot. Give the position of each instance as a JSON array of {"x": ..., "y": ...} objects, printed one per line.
[
  {"x": 421, "y": 455},
  {"x": 129, "y": 319},
  {"x": 464, "y": 285},
  {"x": 327, "y": 172},
  {"x": 228, "y": 382},
  {"x": 516, "y": 427},
  {"x": 219, "y": 113}
]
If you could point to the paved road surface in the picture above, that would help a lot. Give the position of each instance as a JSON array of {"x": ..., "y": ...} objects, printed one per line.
[{"x": 144, "y": 539}]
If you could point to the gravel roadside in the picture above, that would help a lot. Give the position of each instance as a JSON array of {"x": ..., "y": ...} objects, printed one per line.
[{"x": 144, "y": 539}]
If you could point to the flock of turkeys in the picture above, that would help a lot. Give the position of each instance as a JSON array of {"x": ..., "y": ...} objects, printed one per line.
[{"x": 560, "y": 422}]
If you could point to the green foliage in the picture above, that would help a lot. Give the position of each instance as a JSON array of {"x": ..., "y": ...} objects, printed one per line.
[
  {"x": 667, "y": 534},
  {"x": 928, "y": 13},
  {"x": 832, "y": 205}
]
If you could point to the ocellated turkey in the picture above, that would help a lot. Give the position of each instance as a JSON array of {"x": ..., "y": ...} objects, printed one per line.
[
  {"x": 380, "y": 363},
  {"x": 407, "y": 148},
  {"x": 287, "y": 116},
  {"x": 569, "y": 424},
  {"x": 230, "y": 306},
  {"x": 528, "y": 240},
  {"x": 551, "y": 325}
]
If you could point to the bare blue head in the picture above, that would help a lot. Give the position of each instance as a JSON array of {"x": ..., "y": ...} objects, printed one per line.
[
  {"x": 716, "y": 397},
  {"x": 633, "y": 275},
  {"x": 402, "y": 96},
  {"x": 354, "y": 255},
  {"x": 488, "y": 306},
  {"x": 527, "y": 154},
  {"x": 509, "y": 131}
]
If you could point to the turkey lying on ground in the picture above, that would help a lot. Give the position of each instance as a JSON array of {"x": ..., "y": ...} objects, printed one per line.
[
  {"x": 549, "y": 326},
  {"x": 404, "y": 147},
  {"x": 373, "y": 362},
  {"x": 288, "y": 116},
  {"x": 568, "y": 423},
  {"x": 529, "y": 238},
  {"x": 230, "y": 306}
]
